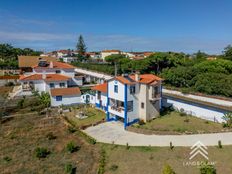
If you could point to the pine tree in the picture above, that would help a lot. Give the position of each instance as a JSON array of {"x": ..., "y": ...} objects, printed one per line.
[{"x": 81, "y": 47}]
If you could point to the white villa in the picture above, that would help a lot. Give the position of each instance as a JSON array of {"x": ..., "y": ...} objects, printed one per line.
[
  {"x": 130, "y": 98},
  {"x": 106, "y": 53},
  {"x": 56, "y": 78}
]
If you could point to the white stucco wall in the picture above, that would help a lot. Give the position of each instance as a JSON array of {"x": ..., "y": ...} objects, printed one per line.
[
  {"x": 66, "y": 100},
  {"x": 198, "y": 110},
  {"x": 92, "y": 98},
  {"x": 121, "y": 93}
]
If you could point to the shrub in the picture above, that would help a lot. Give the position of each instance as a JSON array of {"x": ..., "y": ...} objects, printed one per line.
[
  {"x": 71, "y": 129},
  {"x": 71, "y": 147},
  {"x": 168, "y": 170},
  {"x": 127, "y": 146},
  {"x": 113, "y": 167},
  {"x": 69, "y": 169},
  {"x": 186, "y": 120},
  {"x": 9, "y": 84},
  {"x": 102, "y": 162},
  {"x": 7, "y": 159},
  {"x": 207, "y": 169},
  {"x": 141, "y": 122},
  {"x": 171, "y": 146},
  {"x": 41, "y": 152},
  {"x": 219, "y": 144},
  {"x": 50, "y": 136}
]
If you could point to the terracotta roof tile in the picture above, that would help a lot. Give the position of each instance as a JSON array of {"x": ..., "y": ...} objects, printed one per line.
[
  {"x": 29, "y": 61},
  {"x": 108, "y": 51},
  {"x": 65, "y": 91},
  {"x": 101, "y": 87},
  {"x": 56, "y": 64},
  {"x": 49, "y": 77},
  {"x": 147, "y": 78}
]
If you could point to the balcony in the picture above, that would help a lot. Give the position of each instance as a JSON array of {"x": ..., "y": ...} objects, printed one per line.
[
  {"x": 116, "y": 107},
  {"x": 155, "y": 96}
]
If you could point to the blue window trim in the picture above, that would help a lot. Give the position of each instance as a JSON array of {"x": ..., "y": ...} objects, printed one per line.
[
  {"x": 51, "y": 85},
  {"x": 59, "y": 98},
  {"x": 115, "y": 87},
  {"x": 125, "y": 106},
  {"x": 107, "y": 104}
]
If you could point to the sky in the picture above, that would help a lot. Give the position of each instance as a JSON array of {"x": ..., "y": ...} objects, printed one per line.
[{"x": 129, "y": 25}]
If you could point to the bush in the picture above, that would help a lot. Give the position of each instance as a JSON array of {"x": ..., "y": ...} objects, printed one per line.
[
  {"x": 168, "y": 170},
  {"x": 141, "y": 122},
  {"x": 113, "y": 167},
  {"x": 219, "y": 144},
  {"x": 102, "y": 162},
  {"x": 171, "y": 146},
  {"x": 9, "y": 84},
  {"x": 7, "y": 159},
  {"x": 71, "y": 147},
  {"x": 50, "y": 136},
  {"x": 71, "y": 129},
  {"x": 41, "y": 152},
  {"x": 127, "y": 146},
  {"x": 69, "y": 169},
  {"x": 207, "y": 169}
]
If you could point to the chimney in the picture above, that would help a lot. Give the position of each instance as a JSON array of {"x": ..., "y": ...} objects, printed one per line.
[
  {"x": 51, "y": 65},
  {"x": 137, "y": 76},
  {"x": 44, "y": 75}
]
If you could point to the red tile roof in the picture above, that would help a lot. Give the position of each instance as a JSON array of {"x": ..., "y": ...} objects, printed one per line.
[
  {"x": 49, "y": 77},
  {"x": 60, "y": 65},
  {"x": 101, "y": 87},
  {"x": 125, "y": 80},
  {"x": 65, "y": 91},
  {"x": 147, "y": 78}
]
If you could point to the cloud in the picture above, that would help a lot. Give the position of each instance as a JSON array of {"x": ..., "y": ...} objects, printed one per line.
[{"x": 50, "y": 41}]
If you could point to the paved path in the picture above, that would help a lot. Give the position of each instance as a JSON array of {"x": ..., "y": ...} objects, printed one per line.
[{"x": 113, "y": 132}]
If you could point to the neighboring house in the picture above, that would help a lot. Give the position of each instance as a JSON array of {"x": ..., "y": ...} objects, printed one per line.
[
  {"x": 130, "y": 98},
  {"x": 54, "y": 78},
  {"x": 88, "y": 98},
  {"x": 106, "y": 53},
  {"x": 101, "y": 96},
  {"x": 69, "y": 59},
  {"x": 94, "y": 55},
  {"x": 5, "y": 80},
  {"x": 58, "y": 68},
  {"x": 65, "y": 96},
  {"x": 27, "y": 62},
  {"x": 63, "y": 53}
]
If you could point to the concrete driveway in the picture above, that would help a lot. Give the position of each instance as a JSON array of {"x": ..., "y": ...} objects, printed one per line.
[{"x": 109, "y": 132}]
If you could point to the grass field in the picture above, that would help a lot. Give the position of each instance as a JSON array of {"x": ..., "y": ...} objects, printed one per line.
[
  {"x": 174, "y": 123},
  {"x": 93, "y": 115},
  {"x": 150, "y": 160},
  {"x": 20, "y": 137},
  {"x": 4, "y": 91}
]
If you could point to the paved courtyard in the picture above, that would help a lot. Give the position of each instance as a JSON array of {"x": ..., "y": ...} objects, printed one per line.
[{"x": 109, "y": 132}]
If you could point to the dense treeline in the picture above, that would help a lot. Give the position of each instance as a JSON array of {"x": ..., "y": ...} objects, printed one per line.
[
  {"x": 188, "y": 72},
  {"x": 9, "y": 54}
]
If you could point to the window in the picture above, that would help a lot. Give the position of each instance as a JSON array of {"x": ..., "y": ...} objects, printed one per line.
[
  {"x": 59, "y": 98},
  {"x": 142, "y": 105},
  {"x": 62, "y": 85},
  {"x": 130, "y": 106},
  {"x": 116, "y": 88},
  {"x": 52, "y": 85},
  {"x": 132, "y": 89},
  {"x": 57, "y": 71}
]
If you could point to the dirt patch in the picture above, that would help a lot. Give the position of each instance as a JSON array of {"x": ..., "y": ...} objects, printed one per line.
[{"x": 21, "y": 135}]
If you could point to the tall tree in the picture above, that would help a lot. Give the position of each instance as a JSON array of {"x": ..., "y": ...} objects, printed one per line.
[
  {"x": 228, "y": 52},
  {"x": 81, "y": 47}
]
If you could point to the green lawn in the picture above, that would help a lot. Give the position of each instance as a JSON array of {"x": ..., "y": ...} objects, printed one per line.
[
  {"x": 150, "y": 160},
  {"x": 94, "y": 116},
  {"x": 174, "y": 123}
]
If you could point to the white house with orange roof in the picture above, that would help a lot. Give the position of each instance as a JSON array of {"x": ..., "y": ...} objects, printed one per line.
[
  {"x": 131, "y": 98},
  {"x": 54, "y": 76}
]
